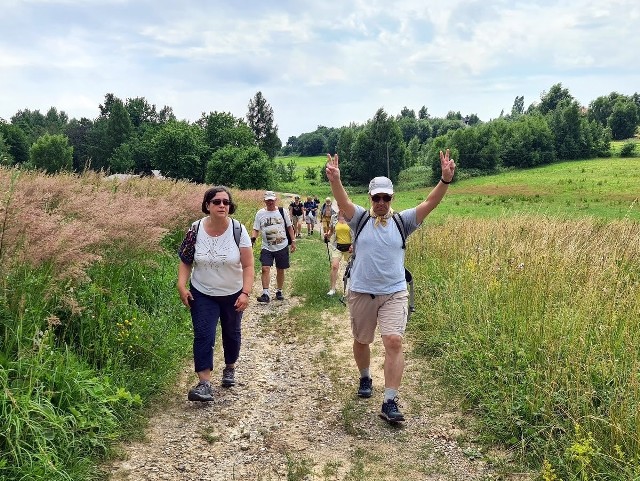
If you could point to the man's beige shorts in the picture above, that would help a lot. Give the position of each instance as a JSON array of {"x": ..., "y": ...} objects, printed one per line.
[{"x": 388, "y": 312}]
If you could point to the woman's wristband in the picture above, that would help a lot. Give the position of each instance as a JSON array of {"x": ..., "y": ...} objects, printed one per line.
[{"x": 444, "y": 181}]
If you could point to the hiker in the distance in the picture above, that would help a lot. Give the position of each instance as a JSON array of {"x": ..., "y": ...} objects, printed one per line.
[
  {"x": 338, "y": 239},
  {"x": 326, "y": 213},
  {"x": 378, "y": 291},
  {"x": 296, "y": 211},
  {"x": 273, "y": 222},
  {"x": 310, "y": 214},
  {"x": 217, "y": 260}
]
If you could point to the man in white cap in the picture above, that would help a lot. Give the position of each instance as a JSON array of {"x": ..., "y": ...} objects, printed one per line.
[
  {"x": 378, "y": 291},
  {"x": 273, "y": 223}
]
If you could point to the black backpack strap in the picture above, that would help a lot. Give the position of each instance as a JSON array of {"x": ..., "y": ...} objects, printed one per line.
[
  {"x": 400, "y": 224},
  {"x": 360, "y": 225},
  {"x": 284, "y": 221}
]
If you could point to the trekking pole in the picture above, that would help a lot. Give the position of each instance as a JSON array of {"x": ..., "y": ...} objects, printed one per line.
[{"x": 326, "y": 241}]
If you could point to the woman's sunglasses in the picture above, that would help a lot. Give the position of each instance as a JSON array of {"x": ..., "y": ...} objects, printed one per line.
[
  {"x": 377, "y": 198},
  {"x": 220, "y": 201}
]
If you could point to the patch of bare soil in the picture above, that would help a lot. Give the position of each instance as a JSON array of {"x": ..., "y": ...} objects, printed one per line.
[{"x": 294, "y": 415}]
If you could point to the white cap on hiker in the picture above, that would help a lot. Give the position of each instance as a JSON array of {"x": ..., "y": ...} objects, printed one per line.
[
  {"x": 380, "y": 185},
  {"x": 269, "y": 195}
]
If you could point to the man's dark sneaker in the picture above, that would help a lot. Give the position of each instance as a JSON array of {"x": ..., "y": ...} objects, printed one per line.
[
  {"x": 264, "y": 298},
  {"x": 228, "y": 377},
  {"x": 279, "y": 296},
  {"x": 201, "y": 392},
  {"x": 366, "y": 387},
  {"x": 390, "y": 411}
]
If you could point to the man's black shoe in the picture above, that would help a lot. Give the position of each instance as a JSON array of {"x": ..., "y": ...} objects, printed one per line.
[
  {"x": 390, "y": 411},
  {"x": 366, "y": 387},
  {"x": 264, "y": 298},
  {"x": 279, "y": 296}
]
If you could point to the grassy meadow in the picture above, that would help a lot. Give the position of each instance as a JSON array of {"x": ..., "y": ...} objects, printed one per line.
[
  {"x": 528, "y": 295},
  {"x": 528, "y": 306}
]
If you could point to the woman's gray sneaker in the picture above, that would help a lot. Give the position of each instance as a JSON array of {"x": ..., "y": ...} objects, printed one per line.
[
  {"x": 228, "y": 377},
  {"x": 201, "y": 392},
  {"x": 366, "y": 387}
]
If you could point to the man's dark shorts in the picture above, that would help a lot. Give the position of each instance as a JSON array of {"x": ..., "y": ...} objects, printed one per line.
[{"x": 281, "y": 257}]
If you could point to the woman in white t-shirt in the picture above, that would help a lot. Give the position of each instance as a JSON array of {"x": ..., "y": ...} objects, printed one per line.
[{"x": 221, "y": 277}]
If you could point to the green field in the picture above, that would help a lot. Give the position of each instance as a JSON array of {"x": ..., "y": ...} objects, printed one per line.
[{"x": 600, "y": 188}]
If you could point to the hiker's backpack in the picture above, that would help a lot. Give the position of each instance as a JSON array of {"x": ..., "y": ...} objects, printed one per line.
[
  {"x": 187, "y": 249},
  {"x": 237, "y": 231},
  {"x": 408, "y": 277}
]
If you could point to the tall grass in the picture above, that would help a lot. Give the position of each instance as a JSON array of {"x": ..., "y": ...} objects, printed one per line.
[
  {"x": 90, "y": 324},
  {"x": 537, "y": 323}
]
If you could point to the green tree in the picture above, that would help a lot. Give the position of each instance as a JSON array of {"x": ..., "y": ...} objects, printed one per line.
[
  {"x": 313, "y": 143},
  {"x": 423, "y": 113},
  {"x": 121, "y": 161},
  {"x": 79, "y": 134},
  {"x": 52, "y": 153},
  {"x": 600, "y": 109},
  {"x": 344, "y": 149},
  {"x": 119, "y": 126},
  {"x": 32, "y": 123},
  {"x": 241, "y": 167},
  {"x": 179, "y": 151},
  {"x": 141, "y": 112},
  {"x": 518, "y": 106},
  {"x": 623, "y": 120},
  {"x": 222, "y": 129},
  {"x": 5, "y": 156},
  {"x": 260, "y": 118},
  {"x": 550, "y": 100},
  {"x": 16, "y": 142},
  {"x": 379, "y": 149},
  {"x": 527, "y": 142},
  {"x": 413, "y": 151}
]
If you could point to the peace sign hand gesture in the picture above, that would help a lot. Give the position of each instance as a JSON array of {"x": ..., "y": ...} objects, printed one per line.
[
  {"x": 447, "y": 165},
  {"x": 332, "y": 169}
]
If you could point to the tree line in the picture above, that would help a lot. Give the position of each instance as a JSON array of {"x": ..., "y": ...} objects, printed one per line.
[
  {"x": 132, "y": 136},
  {"x": 555, "y": 128}
]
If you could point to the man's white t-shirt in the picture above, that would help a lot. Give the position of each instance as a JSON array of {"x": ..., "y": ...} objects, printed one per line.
[
  {"x": 217, "y": 270},
  {"x": 272, "y": 225}
]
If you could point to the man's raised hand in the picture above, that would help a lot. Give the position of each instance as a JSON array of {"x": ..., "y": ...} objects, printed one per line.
[
  {"x": 447, "y": 166},
  {"x": 332, "y": 169}
]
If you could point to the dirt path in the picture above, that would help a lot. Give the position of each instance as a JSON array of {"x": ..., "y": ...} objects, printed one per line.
[{"x": 294, "y": 415}]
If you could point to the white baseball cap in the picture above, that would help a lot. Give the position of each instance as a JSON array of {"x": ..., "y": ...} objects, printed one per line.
[
  {"x": 269, "y": 195},
  {"x": 380, "y": 185}
]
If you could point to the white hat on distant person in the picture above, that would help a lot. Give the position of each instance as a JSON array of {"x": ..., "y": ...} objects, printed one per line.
[
  {"x": 269, "y": 195},
  {"x": 380, "y": 185}
]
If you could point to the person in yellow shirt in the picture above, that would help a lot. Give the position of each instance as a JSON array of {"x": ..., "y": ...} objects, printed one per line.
[{"x": 338, "y": 237}]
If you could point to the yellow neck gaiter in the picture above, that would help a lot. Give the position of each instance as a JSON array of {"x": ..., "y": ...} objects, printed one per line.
[{"x": 380, "y": 219}]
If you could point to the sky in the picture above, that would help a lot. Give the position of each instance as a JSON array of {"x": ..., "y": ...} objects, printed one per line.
[{"x": 329, "y": 63}]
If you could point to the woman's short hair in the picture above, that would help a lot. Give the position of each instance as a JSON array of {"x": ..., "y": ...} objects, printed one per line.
[{"x": 211, "y": 193}]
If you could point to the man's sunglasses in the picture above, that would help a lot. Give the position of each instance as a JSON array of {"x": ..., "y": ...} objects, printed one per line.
[
  {"x": 220, "y": 201},
  {"x": 378, "y": 198}
]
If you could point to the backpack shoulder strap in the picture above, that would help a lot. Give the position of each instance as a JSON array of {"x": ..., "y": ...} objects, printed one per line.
[
  {"x": 360, "y": 225},
  {"x": 237, "y": 231},
  {"x": 400, "y": 225}
]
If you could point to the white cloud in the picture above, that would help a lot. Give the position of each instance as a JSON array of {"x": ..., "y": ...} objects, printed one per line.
[{"x": 317, "y": 63}]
